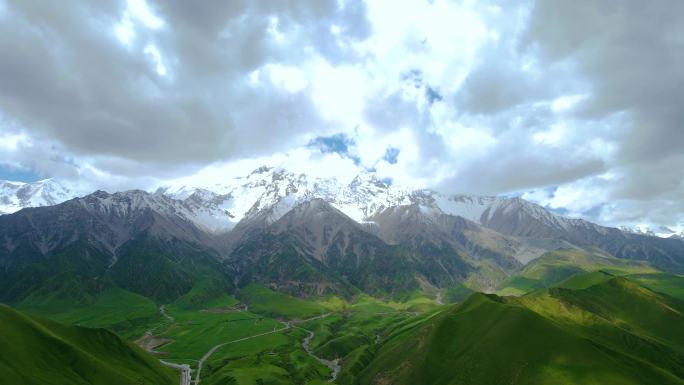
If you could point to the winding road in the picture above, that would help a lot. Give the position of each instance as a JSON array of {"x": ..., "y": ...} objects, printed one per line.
[
  {"x": 287, "y": 326},
  {"x": 212, "y": 350},
  {"x": 186, "y": 377}
]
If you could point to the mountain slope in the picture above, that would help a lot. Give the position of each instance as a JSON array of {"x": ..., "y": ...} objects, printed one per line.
[
  {"x": 37, "y": 351},
  {"x": 555, "y": 267},
  {"x": 270, "y": 193},
  {"x": 304, "y": 235},
  {"x": 521, "y": 229},
  {"x": 517, "y": 217},
  {"x": 672, "y": 285},
  {"x": 140, "y": 241},
  {"x": 578, "y": 336},
  {"x": 317, "y": 249}
]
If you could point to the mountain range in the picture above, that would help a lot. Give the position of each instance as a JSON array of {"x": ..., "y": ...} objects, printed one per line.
[
  {"x": 300, "y": 235},
  {"x": 320, "y": 279}
]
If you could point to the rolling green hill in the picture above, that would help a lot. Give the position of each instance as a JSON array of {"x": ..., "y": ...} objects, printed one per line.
[
  {"x": 554, "y": 267},
  {"x": 615, "y": 332},
  {"x": 672, "y": 285},
  {"x": 585, "y": 280},
  {"x": 37, "y": 351},
  {"x": 109, "y": 309}
]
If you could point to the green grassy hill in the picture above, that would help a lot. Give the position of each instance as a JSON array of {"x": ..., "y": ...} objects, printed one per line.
[
  {"x": 263, "y": 300},
  {"x": 672, "y": 285},
  {"x": 554, "y": 267},
  {"x": 116, "y": 309},
  {"x": 37, "y": 351},
  {"x": 585, "y": 280},
  {"x": 615, "y": 332}
]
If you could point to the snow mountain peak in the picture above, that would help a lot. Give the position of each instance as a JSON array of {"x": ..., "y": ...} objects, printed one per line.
[
  {"x": 266, "y": 194},
  {"x": 15, "y": 196}
]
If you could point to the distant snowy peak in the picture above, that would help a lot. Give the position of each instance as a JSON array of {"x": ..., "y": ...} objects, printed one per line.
[
  {"x": 272, "y": 192},
  {"x": 132, "y": 203},
  {"x": 653, "y": 231},
  {"x": 269, "y": 193},
  {"x": 15, "y": 196},
  {"x": 469, "y": 207}
]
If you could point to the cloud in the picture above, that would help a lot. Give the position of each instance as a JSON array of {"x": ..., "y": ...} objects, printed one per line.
[
  {"x": 574, "y": 105},
  {"x": 632, "y": 57},
  {"x": 164, "y": 82}
]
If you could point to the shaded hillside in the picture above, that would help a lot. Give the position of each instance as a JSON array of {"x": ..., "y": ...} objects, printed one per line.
[{"x": 37, "y": 351}]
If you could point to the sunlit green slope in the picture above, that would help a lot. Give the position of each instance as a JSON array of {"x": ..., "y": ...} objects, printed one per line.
[{"x": 615, "y": 332}]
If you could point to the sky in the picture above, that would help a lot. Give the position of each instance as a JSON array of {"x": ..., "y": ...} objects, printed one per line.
[{"x": 576, "y": 105}]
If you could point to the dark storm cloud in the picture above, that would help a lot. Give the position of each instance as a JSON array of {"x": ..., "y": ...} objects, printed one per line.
[
  {"x": 498, "y": 85},
  {"x": 65, "y": 76}
]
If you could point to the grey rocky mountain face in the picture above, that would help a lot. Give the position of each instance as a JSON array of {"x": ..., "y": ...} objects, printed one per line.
[{"x": 301, "y": 235}]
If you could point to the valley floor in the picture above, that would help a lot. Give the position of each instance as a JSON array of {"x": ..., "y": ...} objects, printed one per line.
[
  {"x": 261, "y": 336},
  {"x": 230, "y": 344}
]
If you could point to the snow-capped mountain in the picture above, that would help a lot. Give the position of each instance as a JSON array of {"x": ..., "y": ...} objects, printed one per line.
[
  {"x": 653, "y": 231},
  {"x": 270, "y": 193},
  {"x": 15, "y": 196},
  {"x": 307, "y": 235}
]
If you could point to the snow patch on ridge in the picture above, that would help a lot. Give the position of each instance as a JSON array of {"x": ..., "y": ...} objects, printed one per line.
[
  {"x": 15, "y": 196},
  {"x": 269, "y": 193}
]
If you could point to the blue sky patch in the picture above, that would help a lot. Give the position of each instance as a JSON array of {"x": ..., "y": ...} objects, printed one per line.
[
  {"x": 338, "y": 143},
  {"x": 391, "y": 155},
  {"x": 18, "y": 175},
  {"x": 432, "y": 95}
]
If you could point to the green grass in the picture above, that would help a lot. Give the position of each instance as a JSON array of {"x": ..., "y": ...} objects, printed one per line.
[
  {"x": 457, "y": 293},
  {"x": 614, "y": 332},
  {"x": 205, "y": 317},
  {"x": 194, "y": 332},
  {"x": 206, "y": 294},
  {"x": 578, "y": 323},
  {"x": 367, "y": 304},
  {"x": 116, "y": 309},
  {"x": 273, "y": 359},
  {"x": 38, "y": 351},
  {"x": 520, "y": 285},
  {"x": 553, "y": 268},
  {"x": 263, "y": 300},
  {"x": 585, "y": 280},
  {"x": 632, "y": 307},
  {"x": 672, "y": 285}
]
